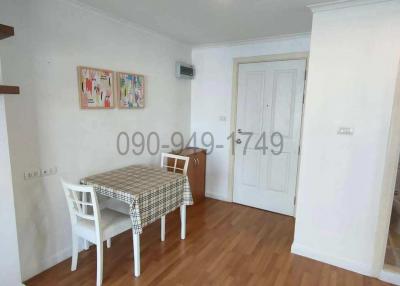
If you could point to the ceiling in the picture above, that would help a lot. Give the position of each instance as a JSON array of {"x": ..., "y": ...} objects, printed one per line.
[{"x": 200, "y": 22}]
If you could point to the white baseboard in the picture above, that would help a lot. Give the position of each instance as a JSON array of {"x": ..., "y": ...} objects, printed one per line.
[
  {"x": 390, "y": 274},
  {"x": 57, "y": 257},
  {"x": 217, "y": 197},
  {"x": 50, "y": 261},
  {"x": 305, "y": 251}
]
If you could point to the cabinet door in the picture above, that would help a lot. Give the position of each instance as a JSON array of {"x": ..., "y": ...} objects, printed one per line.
[
  {"x": 193, "y": 177},
  {"x": 197, "y": 176}
]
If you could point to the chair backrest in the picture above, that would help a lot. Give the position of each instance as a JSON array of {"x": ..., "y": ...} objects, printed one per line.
[
  {"x": 174, "y": 163},
  {"x": 79, "y": 202}
]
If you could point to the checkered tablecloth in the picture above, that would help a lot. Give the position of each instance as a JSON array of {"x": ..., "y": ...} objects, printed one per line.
[{"x": 150, "y": 192}]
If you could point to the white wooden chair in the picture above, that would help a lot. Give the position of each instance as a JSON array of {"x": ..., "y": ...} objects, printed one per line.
[
  {"x": 176, "y": 164},
  {"x": 94, "y": 225}
]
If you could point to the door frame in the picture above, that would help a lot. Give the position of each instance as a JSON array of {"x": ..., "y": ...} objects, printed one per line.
[{"x": 250, "y": 60}]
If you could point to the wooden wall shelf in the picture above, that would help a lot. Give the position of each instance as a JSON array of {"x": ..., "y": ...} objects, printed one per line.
[
  {"x": 8, "y": 89},
  {"x": 6, "y": 31}
]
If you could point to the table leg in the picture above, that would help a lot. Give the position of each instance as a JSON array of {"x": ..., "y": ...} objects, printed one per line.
[
  {"x": 183, "y": 221},
  {"x": 163, "y": 228},
  {"x": 136, "y": 253}
]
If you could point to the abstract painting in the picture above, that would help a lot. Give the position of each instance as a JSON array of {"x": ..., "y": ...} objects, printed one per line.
[
  {"x": 96, "y": 88},
  {"x": 130, "y": 88}
]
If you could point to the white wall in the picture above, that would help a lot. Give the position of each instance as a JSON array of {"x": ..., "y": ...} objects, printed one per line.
[
  {"x": 355, "y": 53},
  {"x": 10, "y": 273},
  {"x": 46, "y": 126},
  {"x": 212, "y": 93}
]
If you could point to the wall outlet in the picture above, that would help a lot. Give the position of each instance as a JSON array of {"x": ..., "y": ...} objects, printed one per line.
[
  {"x": 48, "y": 171},
  {"x": 35, "y": 173},
  {"x": 44, "y": 172}
]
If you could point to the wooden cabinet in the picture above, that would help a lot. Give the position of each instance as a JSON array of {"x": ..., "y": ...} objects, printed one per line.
[{"x": 196, "y": 171}]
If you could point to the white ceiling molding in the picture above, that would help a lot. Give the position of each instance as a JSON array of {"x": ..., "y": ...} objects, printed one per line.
[
  {"x": 253, "y": 41},
  {"x": 342, "y": 4}
]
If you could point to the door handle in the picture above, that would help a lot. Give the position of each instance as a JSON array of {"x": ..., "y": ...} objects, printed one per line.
[
  {"x": 239, "y": 131},
  {"x": 238, "y": 141}
]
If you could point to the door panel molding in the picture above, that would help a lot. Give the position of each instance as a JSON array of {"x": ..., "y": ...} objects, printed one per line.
[{"x": 293, "y": 73}]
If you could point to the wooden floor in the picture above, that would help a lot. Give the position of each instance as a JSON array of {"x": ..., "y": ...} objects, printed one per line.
[{"x": 226, "y": 244}]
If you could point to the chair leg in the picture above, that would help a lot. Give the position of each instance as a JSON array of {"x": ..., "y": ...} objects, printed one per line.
[
  {"x": 136, "y": 253},
  {"x": 109, "y": 243},
  {"x": 183, "y": 222},
  {"x": 74, "y": 252},
  {"x": 163, "y": 228},
  {"x": 99, "y": 247}
]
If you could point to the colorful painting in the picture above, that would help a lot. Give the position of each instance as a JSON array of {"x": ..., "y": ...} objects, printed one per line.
[
  {"x": 96, "y": 88},
  {"x": 130, "y": 90}
]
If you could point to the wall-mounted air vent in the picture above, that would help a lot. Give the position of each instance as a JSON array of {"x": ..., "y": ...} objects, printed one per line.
[{"x": 184, "y": 71}]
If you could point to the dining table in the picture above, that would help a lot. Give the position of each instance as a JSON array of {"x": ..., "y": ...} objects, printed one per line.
[{"x": 151, "y": 192}]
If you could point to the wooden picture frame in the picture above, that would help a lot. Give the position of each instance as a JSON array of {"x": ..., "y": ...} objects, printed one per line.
[
  {"x": 130, "y": 90},
  {"x": 96, "y": 88}
]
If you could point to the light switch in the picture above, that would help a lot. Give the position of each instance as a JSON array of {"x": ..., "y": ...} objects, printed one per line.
[
  {"x": 28, "y": 175},
  {"x": 345, "y": 131},
  {"x": 222, "y": 118}
]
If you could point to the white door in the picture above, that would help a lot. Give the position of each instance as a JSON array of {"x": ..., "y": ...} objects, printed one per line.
[{"x": 269, "y": 111}]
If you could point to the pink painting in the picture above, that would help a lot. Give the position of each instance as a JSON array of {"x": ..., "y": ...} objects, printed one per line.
[{"x": 96, "y": 88}]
